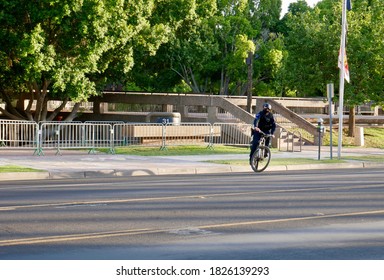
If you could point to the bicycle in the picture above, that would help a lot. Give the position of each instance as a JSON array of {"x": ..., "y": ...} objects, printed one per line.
[{"x": 262, "y": 155}]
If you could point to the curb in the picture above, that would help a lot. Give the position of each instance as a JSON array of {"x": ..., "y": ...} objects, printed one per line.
[
  {"x": 12, "y": 176},
  {"x": 15, "y": 176}
]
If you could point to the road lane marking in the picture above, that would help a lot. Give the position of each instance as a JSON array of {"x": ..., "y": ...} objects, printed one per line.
[
  {"x": 324, "y": 216},
  {"x": 130, "y": 232},
  {"x": 205, "y": 195},
  {"x": 73, "y": 237}
]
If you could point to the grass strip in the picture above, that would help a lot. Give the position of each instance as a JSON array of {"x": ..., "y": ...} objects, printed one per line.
[
  {"x": 179, "y": 150},
  {"x": 15, "y": 168}
]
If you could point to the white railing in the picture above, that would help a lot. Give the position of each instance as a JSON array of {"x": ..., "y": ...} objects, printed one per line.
[
  {"x": 111, "y": 135},
  {"x": 232, "y": 134},
  {"x": 18, "y": 134},
  {"x": 143, "y": 134}
]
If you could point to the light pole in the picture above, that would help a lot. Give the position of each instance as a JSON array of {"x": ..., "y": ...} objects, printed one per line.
[{"x": 249, "y": 83}]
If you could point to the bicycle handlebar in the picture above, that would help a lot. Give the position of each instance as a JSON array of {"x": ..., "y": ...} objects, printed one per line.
[{"x": 265, "y": 134}]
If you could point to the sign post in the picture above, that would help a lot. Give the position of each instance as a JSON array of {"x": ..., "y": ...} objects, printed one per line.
[{"x": 330, "y": 94}]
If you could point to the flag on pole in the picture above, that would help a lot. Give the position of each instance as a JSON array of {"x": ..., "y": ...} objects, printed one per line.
[
  {"x": 346, "y": 69},
  {"x": 342, "y": 50},
  {"x": 349, "y": 5}
]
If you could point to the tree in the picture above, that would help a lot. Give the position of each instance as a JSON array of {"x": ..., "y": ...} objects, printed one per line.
[
  {"x": 185, "y": 59},
  {"x": 65, "y": 49},
  {"x": 313, "y": 42},
  {"x": 208, "y": 52},
  {"x": 365, "y": 50},
  {"x": 237, "y": 28},
  {"x": 269, "y": 65},
  {"x": 294, "y": 9}
]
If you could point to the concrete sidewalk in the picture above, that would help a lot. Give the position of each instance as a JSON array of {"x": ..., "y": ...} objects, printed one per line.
[{"x": 80, "y": 164}]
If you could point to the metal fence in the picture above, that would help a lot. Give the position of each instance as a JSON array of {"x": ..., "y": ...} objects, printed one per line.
[
  {"x": 74, "y": 135},
  {"x": 18, "y": 134},
  {"x": 232, "y": 134},
  {"x": 111, "y": 135},
  {"x": 144, "y": 134}
]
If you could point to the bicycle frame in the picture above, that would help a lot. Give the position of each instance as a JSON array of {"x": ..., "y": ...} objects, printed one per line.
[{"x": 262, "y": 156}]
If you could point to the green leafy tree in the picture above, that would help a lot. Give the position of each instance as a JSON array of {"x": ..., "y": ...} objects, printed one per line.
[
  {"x": 268, "y": 57},
  {"x": 313, "y": 42},
  {"x": 208, "y": 52},
  {"x": 294, "y": 9},
  {"x": 187, "y": 57},
  {"x": 236, "y": 28},
  {"x": 65, "y": 49},
  {"x": 268, "y": 66},
  {"x": 365, "y": 50}
]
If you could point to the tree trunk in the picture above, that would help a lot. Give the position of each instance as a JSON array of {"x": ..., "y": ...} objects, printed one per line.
[
  {"x": 53, "y": 115},
  {"x": 352, "y": 121},
  {"x": 73, "y": 113},
  {"x": 221, "y": 91},
  {"x": 225, "y": 85},
  {"x": 185, "y": 75},
  {"x": 9, "y": 111}
]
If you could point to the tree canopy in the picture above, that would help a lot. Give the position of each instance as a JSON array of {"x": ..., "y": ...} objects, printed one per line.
[
  {"x": 72, "y": 49},
  {"x": 66, "y": 48},
  {"x": 313, "y": 41}
]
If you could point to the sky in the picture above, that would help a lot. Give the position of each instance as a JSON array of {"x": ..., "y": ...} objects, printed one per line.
[{"x": 286, "y": 3}]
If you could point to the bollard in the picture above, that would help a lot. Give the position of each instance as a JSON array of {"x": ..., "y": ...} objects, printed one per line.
[
  {"x": 320, "y": 130},
  {"x": 359, "y": 136}
]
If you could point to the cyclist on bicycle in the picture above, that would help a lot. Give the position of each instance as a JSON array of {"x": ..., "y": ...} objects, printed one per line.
[{"x": 264, "y": 122}]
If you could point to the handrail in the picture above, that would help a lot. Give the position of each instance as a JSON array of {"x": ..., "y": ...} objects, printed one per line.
[
  {"x": 294, "y": 135},
  {"x": 293, "y": 117}
]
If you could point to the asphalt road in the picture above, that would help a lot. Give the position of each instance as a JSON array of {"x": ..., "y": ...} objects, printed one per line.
[{"x": 311, "y": 214}]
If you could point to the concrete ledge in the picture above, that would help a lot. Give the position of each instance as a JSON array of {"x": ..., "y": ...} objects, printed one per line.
[
  {"x": 277, "y": 168},
  {"x": 138, "y": 172},
  {"x": 174, "y": 171},
  {"x": 241, "y": 168},
  {"x": 325, "y": 166},
  {"x": 214, "y": 169},
  {"x": 99, "y": 173},
  {"x": 67, "y": 175},
  {"x": 11, "y": 176},
  {"x": 373, "y": 164}
]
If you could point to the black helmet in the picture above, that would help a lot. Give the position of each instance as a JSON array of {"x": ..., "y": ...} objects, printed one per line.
[{"x": 267, "y": 106}]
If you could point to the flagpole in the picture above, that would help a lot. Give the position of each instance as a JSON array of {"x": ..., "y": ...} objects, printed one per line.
[{"x": 342, "y": 73}]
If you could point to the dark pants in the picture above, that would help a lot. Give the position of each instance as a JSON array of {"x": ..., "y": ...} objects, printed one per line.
[{"x": 255, "y": 142}]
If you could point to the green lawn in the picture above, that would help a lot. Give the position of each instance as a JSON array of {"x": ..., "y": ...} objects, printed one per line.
[
  {"x": 180, "y": 150},
  {"x": 373, "y": 138},
  {"x": 15, "y": 168}
]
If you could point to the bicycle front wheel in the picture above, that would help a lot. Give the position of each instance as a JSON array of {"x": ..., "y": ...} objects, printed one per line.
[{"x": 260, "y": 159}]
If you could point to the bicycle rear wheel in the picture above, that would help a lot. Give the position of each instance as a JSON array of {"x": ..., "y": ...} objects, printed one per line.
[{"x": 260, "y": 159}]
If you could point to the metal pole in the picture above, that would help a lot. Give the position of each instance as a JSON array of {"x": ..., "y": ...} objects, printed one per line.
[
  {"x": 249, "y": 83},
  {"x": 320, "y": 130},
  {"x": 330, "y": 131},
  {"x": 342, "y": 73},
  {"x": 330, "y": 90},
  {"x": 318, "y": 153}
]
